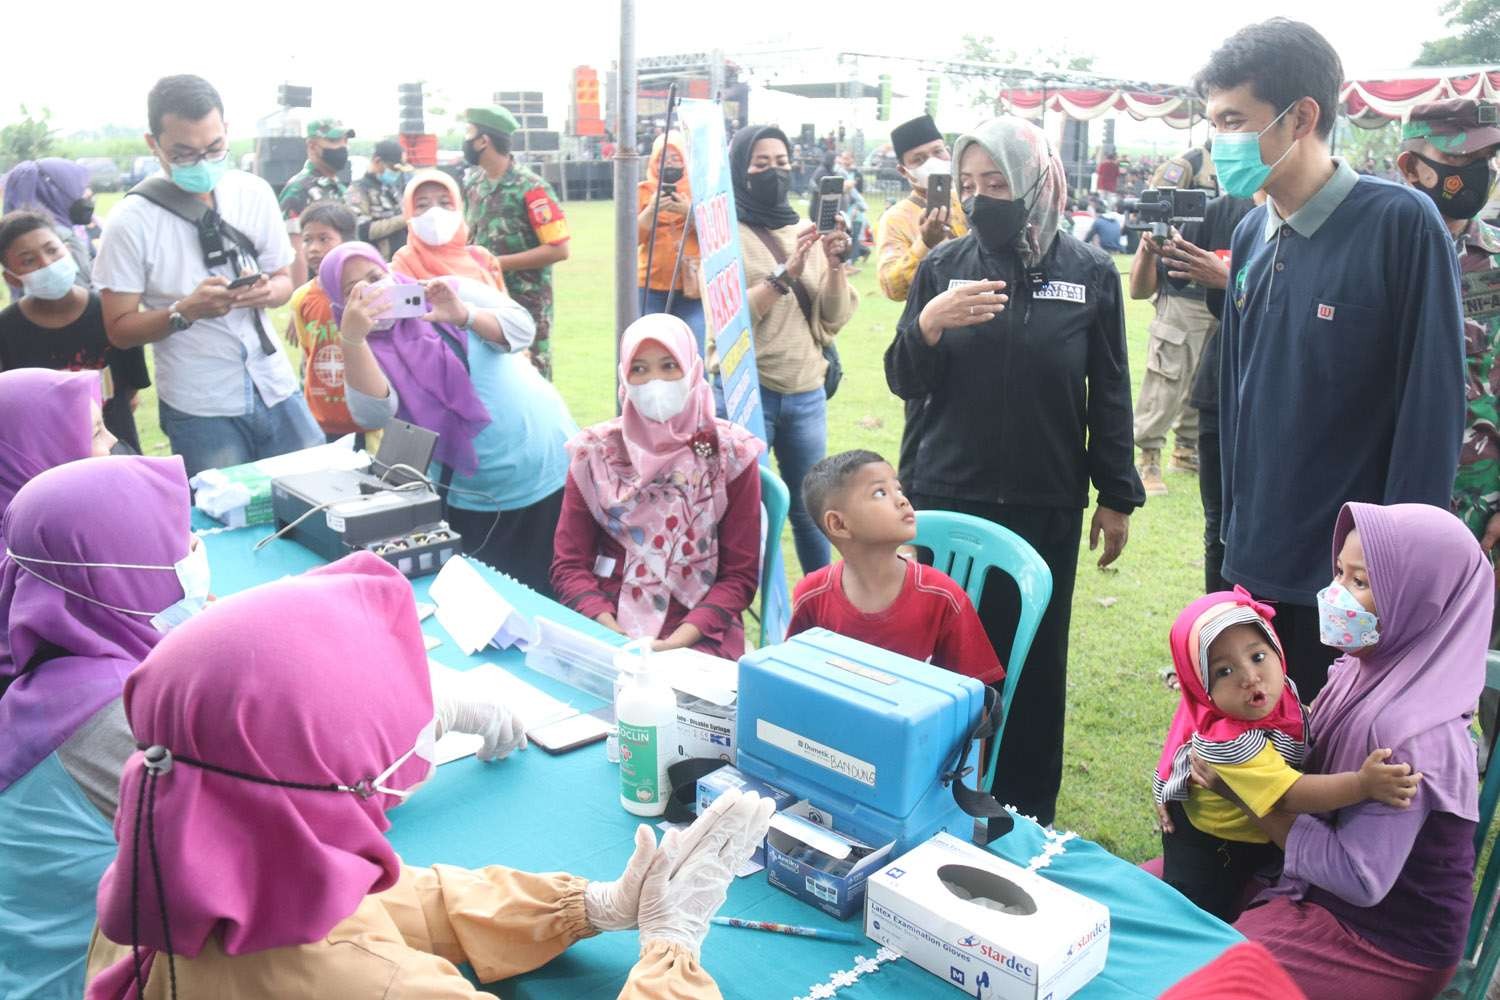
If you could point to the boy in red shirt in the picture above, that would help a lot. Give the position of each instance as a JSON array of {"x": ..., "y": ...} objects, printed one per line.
[{"x": 875, "y": 594}]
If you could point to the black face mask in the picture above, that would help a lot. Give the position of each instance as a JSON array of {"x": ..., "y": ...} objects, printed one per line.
[
  {"x": 81, "y": 212},
  {"x": 1461, "y": 192},
  {"x": 671, "y": 175},
  {"x": 335, "y": 159},
  {"x": 121, "y": 448},
  {"x": 770, "y": 187},
  {"x": 471, "y": 152},
  {"x": 996, "y": 221}
]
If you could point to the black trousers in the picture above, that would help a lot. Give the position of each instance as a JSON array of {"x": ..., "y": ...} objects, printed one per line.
[
  {"x": 1031, "y": 753},
  {"x": 517, "y": 542},
  {"x": 1210, "y": 871},
  {"x": 1211, "y": 492}
]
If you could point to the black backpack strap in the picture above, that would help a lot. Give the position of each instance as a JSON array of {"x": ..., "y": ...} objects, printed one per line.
[
  {"x": 170, "y": 198},
  {"x": 972, "y": 801}
]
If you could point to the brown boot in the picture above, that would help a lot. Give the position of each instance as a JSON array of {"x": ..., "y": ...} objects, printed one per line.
[
  {"x": 1185, "y": 460},
  {"x": 1150, "y": 470}
]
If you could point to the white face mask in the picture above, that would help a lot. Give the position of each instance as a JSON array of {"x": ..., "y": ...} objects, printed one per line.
[
  {"x": 660, "y": 400},
  {"x": 192, "y": 575},
  {"x": 928, "y": 169},
  {"x": 53, "y": 281},
  {"x": 436, "y": 226}
]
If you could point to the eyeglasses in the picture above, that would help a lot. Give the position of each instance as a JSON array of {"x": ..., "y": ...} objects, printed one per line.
[{"x": 192, "y": 159}]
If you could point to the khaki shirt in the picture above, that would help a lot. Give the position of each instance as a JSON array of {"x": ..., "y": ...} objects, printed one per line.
[{"x": 406, "y": 942}]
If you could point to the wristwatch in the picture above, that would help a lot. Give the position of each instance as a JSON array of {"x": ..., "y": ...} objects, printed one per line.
[
  {"x": 778, "y": 281},
  {"x": 175, "y": 319}
]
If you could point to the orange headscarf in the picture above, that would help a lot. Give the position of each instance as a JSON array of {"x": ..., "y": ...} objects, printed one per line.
[
  {"x": 422, "y": 260},
  {"x": 668, "y": 227}
]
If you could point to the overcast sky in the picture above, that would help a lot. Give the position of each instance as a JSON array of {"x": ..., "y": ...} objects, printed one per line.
[{"x": 356, "y": 54}]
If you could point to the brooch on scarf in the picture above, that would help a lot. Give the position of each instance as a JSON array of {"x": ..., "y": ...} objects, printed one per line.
[{"x": 705, "y": 444}]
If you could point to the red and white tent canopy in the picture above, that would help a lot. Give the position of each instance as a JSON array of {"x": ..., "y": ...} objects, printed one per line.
[
  {"x": 1374, "y": 101},
  {"x": 1175, "y": 106}
]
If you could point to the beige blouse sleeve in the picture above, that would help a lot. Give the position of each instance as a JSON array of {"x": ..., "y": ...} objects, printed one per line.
[{"x": 505, "y": 922}]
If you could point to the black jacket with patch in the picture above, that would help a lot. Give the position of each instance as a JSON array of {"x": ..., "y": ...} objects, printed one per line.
[{"x": 1032, "y": 406}]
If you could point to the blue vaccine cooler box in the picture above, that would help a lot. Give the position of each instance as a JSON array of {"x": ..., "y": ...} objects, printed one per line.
[{"x": 861, "y": 733}]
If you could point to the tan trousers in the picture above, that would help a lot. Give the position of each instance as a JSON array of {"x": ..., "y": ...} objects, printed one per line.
[{"x": 1178, "y": 333}]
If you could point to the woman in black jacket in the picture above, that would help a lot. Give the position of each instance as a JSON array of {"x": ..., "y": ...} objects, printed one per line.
[{"x": 1015, "y": 338}]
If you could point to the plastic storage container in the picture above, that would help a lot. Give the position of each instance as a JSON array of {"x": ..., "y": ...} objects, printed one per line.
[{"x": 860, "y": 732}]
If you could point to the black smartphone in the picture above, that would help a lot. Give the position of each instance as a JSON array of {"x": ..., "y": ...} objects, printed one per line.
[
  {"x": 244, "y": 281},
  {"x": 669, "y": 189},
  {"x": 939, "y": 190},
  {"x": 830, "y": 192}
]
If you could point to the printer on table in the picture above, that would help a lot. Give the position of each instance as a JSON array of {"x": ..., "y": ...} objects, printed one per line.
[{"x": 396, "y": 515}]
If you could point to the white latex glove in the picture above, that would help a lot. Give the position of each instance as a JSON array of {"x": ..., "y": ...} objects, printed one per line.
[
  {"x": 612, "y": 906},
  {"x": 465, "y": 707},
  {"x": 677, "y": 909}
]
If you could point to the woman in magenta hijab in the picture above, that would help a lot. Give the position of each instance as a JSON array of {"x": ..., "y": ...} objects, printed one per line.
[
  {"x": 87, "y": 592},
  {"x": 660, "y": 530},
  {"x": 253, "y": 860},
  {"x": 1373, "y": 901}
]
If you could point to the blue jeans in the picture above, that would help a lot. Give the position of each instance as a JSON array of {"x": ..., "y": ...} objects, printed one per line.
[
  {"x": 690, "y": 311},
  {"x": 219, "y": 442},
  {"x": 797, "y": 433}
]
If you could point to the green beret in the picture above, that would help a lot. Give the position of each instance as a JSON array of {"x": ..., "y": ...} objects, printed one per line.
[{"x": 492, "y": 117}]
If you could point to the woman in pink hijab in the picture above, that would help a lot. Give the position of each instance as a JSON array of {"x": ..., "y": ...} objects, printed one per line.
[
  {"x": 660, "y": 530},
  {"x": 253, "y": 860}
]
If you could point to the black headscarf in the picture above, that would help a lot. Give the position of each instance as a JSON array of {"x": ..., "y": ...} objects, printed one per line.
[{"x": 751, "y": 211}]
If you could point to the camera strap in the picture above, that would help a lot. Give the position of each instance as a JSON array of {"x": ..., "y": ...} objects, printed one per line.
[{"x": 212, "y": 230}]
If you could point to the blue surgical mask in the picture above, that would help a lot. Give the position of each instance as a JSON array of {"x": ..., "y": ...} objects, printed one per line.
[
  {"x": 201, "y": 177},
  {"x": 192, "y": 576},
  {"x": 53, "y": 281},
  {"x": 1237, "y": 160},
  {"x": 1343, "y": 622},
  {"x": 389, "y": 177}
]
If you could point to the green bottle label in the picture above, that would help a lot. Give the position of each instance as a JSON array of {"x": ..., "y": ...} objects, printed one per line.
[{"x": 638, "y": 750}]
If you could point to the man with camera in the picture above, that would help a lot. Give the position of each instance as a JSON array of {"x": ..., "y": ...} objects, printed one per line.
[
  {"x": 1178, "y": 331},
  {"x": 327, "y": 155},
  {"x": 190, "y": 263}
]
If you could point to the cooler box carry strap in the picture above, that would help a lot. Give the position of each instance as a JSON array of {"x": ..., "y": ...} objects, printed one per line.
[{"x": 971, "y": 800}]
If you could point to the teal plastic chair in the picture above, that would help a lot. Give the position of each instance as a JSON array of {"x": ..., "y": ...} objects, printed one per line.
[
  {"x": 1482, "y": 952},
  {"x": 776, "y": 501},
  {"x": 966, "y": 548}
]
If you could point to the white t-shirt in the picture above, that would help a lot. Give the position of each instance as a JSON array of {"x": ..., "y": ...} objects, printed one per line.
[{"x": 208, "y": 369}]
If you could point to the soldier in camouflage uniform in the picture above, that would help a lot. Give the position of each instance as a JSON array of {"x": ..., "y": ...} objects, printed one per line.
[
  {"x": 376, "y": 199},
  {"x": 327, "y": 154},
  {"x": 513, "y": 214},
  {"x": 1445, "y": 153}
]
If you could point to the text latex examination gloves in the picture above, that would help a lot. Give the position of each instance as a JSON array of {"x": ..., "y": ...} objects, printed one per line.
[
  {"x": 690, "y": 876},
  {"x": 464, "y": 707}
]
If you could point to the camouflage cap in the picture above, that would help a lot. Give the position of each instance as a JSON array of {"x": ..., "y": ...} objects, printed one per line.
[
  {"x": 492, "y": 117},
  {"x": 328, "y": 128},
  {"x": 1462, "y": 125}
]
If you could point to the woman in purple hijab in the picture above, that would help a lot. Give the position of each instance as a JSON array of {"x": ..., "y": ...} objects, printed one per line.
[
  {"x": 88, "y": 591},
  {"x": 1374, "y": 901},
  {"x": 60, "y": 188}
]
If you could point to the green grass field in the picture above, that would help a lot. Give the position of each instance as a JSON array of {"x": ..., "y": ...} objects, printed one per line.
[{"x": 1117, "y": 708}]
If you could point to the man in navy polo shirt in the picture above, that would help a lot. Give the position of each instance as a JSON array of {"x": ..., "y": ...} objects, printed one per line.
[{"x": 1342, "y": 360}]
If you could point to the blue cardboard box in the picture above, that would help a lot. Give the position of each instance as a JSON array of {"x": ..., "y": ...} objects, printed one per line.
[
  {"x": 862, "y": 733},
  {"x": 820, "y": 866}
]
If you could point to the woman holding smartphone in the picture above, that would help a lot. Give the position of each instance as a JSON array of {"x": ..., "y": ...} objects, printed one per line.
[{"x": 666, "y": 171}]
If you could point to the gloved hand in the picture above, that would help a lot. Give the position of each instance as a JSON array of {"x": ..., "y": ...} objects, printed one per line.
[
  {"x": 463, "y": 706},
  {"x": 676, "y": 908},
  {"x": 612, "y": 906}
]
